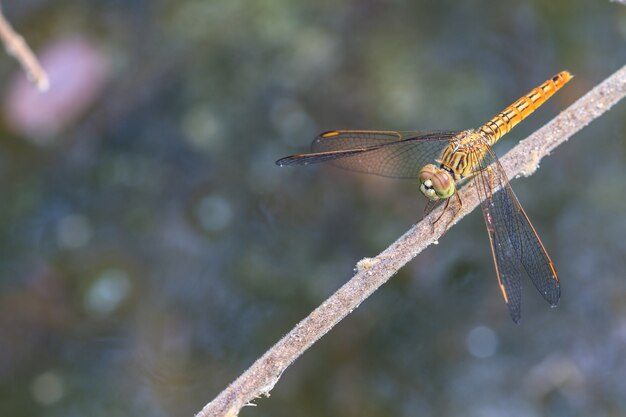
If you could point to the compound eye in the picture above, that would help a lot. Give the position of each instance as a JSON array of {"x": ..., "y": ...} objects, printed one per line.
[
  {"x": 436, "y": 183},
  {"x": 443, "y": 184}
]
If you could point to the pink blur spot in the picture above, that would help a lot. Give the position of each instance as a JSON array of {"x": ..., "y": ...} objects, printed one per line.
[{"x": 77, "y": 71}]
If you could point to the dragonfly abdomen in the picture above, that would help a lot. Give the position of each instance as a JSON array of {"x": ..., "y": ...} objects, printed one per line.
[{"x": 507, "y": 119}]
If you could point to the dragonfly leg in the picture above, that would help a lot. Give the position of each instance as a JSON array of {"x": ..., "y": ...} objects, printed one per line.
[
  {"x": 454, "y": 216},
  {"x": 445, "y": 207},
  {"x": 456, "y": 213},
  {"x": 430, "y": 206}
]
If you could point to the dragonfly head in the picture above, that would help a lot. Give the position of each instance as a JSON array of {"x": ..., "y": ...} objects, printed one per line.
[{"x": 436, "y": 183}]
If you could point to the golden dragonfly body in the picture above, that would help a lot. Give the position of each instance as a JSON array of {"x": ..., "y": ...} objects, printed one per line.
[{"x": 515, "y": 246}]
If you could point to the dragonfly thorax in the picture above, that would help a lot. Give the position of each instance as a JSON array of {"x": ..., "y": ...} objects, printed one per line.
[{"x": 436, "y": 183}]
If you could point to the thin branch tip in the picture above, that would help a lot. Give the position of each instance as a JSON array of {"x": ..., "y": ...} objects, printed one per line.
[{"x": 17, "y": 47}]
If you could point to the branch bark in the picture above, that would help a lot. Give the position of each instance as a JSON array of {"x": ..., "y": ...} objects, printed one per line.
[
  {"x": 16, "y": 46},
  {"x": 371, "y": 273}
]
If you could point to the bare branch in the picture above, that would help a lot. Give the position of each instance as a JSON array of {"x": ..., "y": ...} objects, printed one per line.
[
  {"x": 16, "y": 46},
  {"x": 523, "y": 159}
]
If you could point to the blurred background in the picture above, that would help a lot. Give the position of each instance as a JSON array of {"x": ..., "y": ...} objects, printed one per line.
[{"x": 150, "y": 250}]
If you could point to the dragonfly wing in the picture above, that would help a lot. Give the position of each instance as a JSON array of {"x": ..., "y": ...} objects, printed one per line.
[
  {"x": 515, "y": 244},
  {"x": 506, "y": 260},
  {"x": 383, "y": 153},
  {"x": 508, "y": 271}
]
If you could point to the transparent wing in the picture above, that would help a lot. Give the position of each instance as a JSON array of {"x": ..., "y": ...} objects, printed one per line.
[
  {"x": 383, "y": 153},
  {"x": 514, "y": 242}
]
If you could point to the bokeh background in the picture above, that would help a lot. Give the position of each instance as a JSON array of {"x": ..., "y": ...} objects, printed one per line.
[{"x": 150, "y": 250}]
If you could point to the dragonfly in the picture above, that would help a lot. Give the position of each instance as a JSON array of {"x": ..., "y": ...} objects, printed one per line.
[{"x": 442, "y": 161}]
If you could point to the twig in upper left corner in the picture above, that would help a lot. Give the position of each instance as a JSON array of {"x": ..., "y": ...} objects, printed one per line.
[{"x": 16, "y": 46}]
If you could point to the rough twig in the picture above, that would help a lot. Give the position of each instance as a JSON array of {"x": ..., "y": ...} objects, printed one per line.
[
  {"x": 523, "y": 159},
  {"x": 16, "y": 46}
]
